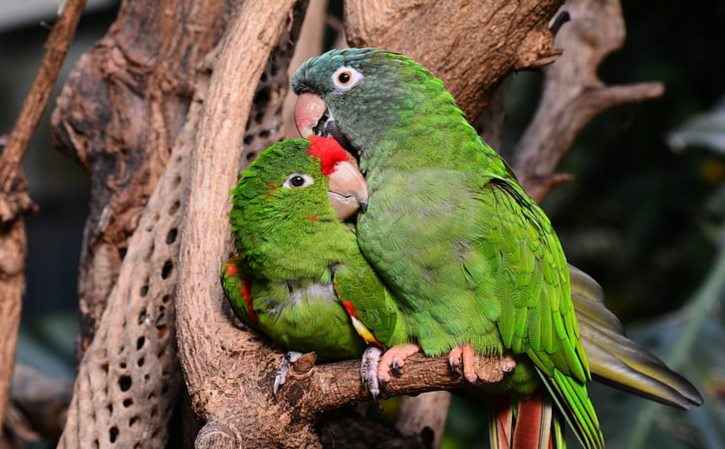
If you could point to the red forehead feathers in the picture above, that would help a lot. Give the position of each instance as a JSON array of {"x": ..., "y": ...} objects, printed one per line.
[{"x": 328, "y": 151}]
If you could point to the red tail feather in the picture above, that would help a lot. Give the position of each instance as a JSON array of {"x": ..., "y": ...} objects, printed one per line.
[{"x": 533, "y": 424}]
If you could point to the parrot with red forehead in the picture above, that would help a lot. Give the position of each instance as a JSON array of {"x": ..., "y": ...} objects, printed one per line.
[
  {"x": 472, "y": 261},
  {"x": 300, "y": 277}
]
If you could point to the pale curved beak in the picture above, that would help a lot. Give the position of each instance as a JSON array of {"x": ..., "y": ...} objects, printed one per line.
[
  {"x": 308, "y": 112},
  {"x": 347, "y": 190}
]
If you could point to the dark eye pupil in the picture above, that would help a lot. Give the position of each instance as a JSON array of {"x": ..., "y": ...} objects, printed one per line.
[
  {"x": 297, "y": 181},
  {"x": 344, "y": 77}
]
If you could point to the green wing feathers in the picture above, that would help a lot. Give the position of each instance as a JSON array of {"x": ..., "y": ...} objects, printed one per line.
[
  {"x": 615, "y": 359},
  {"x": 537, "y": 316}
]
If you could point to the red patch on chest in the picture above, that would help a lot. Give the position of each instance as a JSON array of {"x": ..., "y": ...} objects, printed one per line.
[
  {"x": 313, "y": 218},
  {"x": 247, "y": 295},
  {"x": 328, "y": 151}
]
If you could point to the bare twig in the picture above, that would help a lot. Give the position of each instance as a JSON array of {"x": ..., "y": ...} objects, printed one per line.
[
  {"x": 15, "y": 201},
  {"x": 573, "y": 94},
  {"x": 40, "y": 404}
]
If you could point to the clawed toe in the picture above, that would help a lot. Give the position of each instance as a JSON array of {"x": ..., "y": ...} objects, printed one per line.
[
  {"x": 281, "y": 377},
  {"x": 394, "y": 360},
  {"x": 479, "y": 369}
]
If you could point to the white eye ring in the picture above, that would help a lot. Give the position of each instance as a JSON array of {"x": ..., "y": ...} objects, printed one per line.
[
  {"x": 293, "y": 181},
  {"x": 345, "y": 78}
]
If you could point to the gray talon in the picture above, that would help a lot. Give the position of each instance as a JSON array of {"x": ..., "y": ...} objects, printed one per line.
[
  {"x": 369, "y": 370},
  {"x": 395, "y": 367},
  {"x": 281, "y": 377},
  {"x": 453, "y": 367}
]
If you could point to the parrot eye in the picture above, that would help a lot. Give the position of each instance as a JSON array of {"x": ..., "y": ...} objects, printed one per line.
[
  {"x": 345, "y": 78},
  {"x": 297, "y": 180}
]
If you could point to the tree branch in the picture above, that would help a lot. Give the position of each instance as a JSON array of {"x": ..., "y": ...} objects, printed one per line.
[
  {"x": 470, "y": 45},
  {"x": 573, "y": 94},
  {"x": 15, "y": 202}
]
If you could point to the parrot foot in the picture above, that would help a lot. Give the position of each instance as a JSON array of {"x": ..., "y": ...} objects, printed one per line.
[
  {"x": 394, "y": 359},
  {"x": 369, "y": 371},
  {"x": 281, "y": 377},
  {"x": 478, "y": 368}
]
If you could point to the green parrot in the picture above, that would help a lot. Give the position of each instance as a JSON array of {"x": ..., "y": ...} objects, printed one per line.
[
  {"x": 300, "y": 277},
  {"x": 473, "y": 263}
]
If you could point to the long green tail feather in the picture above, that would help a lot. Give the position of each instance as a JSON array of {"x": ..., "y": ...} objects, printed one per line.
[
  {"x": 573, "y": 402},
  {"x": 616, "y": 360}
]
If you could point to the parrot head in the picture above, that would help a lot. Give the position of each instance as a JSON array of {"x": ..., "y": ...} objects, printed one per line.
[
  {"x": 358, "y": 94},
  {"x": 299, "y": 180}
]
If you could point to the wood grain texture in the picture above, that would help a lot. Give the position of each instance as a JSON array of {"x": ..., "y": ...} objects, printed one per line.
[{"x": 119, "y": 114}]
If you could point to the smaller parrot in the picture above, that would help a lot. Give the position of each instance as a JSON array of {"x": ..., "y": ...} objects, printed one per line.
[{"x": 301, "y": 278}]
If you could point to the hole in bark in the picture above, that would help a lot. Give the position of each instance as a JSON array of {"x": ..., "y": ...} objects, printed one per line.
[
  {"x": 128, "y": 402},
  {"x": 264, "y": 77},
  {"x": 166, "y": 270},
  {"x": 259, "y": 117},
  {"x": 252, "y": 155},
  {"x": 140, "y": 342},
  {"x": 95, "y": 444},
  {"x": 177, "y": 181},
  {"x": 171, "y": 236},
  {"x": 143, "y": 291},
  {"x": 151, "y": 396},
  {"x": 248, "y": 139},
  {"x": 141, "y": 361},
  {"x": 174, "y": 207},
  {"x": 122, "y": 252},
  {"x": 124, "y": 383},
  {"x": 122, "y": 365},
  {"x": 427, "y": 435},
  {"x": 113, "y": 434},
  {"x": 161, "y": 333},
  {"x": 142, "y": 317},
  {"x": 109, "y": 407},
  {"x": 104, "y": 367},
  {"x": 261, "y": 98},
  {"x": 264, "y": 134},
  {"x": 131, "y": 422}
]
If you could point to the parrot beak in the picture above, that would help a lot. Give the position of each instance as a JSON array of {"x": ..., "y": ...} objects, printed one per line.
[
  {"x": 347, "y": 190},
  {"x": 309, "y": 110},
  {"x": 312, "y": 116}
]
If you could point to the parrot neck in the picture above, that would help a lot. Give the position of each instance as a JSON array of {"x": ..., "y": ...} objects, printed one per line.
[
  {"x": 422, "y": 128},
  {"x": 301, "y": 253}
]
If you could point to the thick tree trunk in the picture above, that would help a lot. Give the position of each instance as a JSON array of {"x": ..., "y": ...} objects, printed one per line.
[{"x": 119, "y": 114}]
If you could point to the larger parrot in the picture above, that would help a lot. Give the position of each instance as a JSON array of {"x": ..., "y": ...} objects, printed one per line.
[{"x": 471, "y": 259}]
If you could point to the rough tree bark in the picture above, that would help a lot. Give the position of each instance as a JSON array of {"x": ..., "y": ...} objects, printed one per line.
[
  {"x": 119, "y": 114},
  {"x": 15, "y": 203}
]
